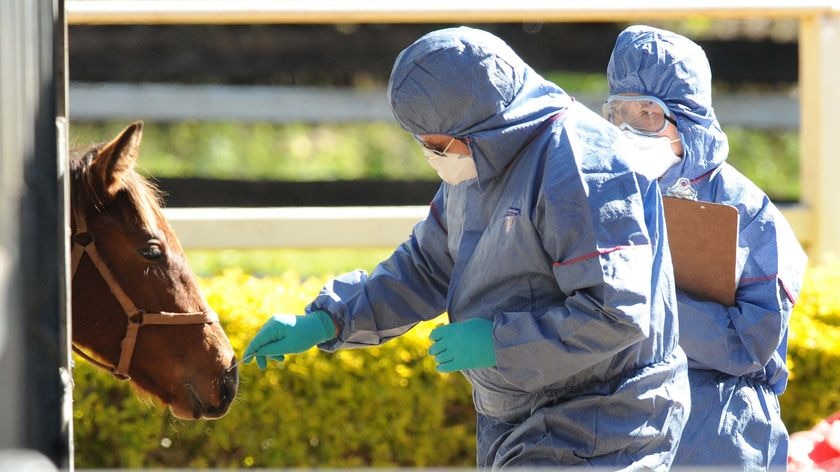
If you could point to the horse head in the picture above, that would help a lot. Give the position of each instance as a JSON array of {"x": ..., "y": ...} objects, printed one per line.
[{"x": 136, "y": 306}]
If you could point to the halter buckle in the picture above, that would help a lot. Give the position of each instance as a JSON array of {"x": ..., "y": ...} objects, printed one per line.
[
  {"x": 83, "y": 239},
  {"x": 137, "y": 318},
  {"x": 120, "y": 375}
]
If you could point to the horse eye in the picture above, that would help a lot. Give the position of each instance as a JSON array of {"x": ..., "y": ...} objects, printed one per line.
[{"x": 153, "y": 251}]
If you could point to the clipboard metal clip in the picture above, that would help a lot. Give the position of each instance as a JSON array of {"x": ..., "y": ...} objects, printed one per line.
[{"x": 682, "y": 189}]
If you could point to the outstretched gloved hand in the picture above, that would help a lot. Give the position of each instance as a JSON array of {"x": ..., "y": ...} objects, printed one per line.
[
  {"x": 464, "y": 345},
  {"x": 288, "y": 334}
]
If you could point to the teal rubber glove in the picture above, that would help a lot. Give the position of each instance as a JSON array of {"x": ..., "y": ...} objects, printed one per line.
[
  {"x": 288, "y": 334},
  {"x": 464, "y": 345}
]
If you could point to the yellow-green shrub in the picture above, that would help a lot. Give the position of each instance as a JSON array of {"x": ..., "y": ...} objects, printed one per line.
[
  {"x": 814, "y": 350},
  {"x": 383, "y": 406}
]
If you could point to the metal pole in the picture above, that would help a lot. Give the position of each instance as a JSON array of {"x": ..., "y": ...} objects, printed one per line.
[{"x": 35, "y": 391}]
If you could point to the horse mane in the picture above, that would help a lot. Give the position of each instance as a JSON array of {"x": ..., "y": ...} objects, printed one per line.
[{"x": 141, "y": 191}]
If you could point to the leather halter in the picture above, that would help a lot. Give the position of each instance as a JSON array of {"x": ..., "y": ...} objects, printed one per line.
[{"x": 84, "y": 243}]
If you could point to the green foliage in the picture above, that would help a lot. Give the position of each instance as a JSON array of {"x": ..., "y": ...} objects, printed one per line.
[
  {"x": 306, "y": 263},
  {"x": 267, "y": 151},
  {"x": 383, "y": 406},
  {"x": 300, "y": 152},
  {"x": 581, "y": 83},
  {"x": 769, "y": 159},
  {"x": 112, "y": 426},
  {"x": 303, "y": 262},
  {"x": 814, "y": 351}
]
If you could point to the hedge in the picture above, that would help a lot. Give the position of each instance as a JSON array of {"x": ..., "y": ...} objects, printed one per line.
[
  {"x": 814, "y": 350},
  {"x": 383, "y": 406},
  {"x": 377, "y": 407}
]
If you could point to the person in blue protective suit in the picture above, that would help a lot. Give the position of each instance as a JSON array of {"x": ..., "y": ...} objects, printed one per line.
[
  {"x": 548, "y": 254},
  {"x": 660, "y": 95}
]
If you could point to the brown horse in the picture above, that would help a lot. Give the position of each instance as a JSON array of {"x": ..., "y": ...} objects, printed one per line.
[{"x": 137, "y": 310}]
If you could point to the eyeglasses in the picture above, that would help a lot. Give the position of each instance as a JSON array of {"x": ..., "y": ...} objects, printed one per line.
[
  {"x": 644, "y": 115},
  {"x": 433, "y": 151}
]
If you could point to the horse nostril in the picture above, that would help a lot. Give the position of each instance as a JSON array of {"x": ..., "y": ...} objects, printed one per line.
[{"x": 230, "y": 380}]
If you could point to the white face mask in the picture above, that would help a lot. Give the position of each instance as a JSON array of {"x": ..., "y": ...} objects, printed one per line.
[
  {"x": 655, "y": 155},
  {"x": 453, "y": 168}
]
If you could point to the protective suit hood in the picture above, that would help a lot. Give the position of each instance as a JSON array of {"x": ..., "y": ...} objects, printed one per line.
[
  {"x": 469, "y": 84},
  {"x": 675, "y": 70}
]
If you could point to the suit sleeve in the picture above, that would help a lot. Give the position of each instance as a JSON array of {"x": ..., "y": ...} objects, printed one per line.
[{"x": 405, "y": 289}]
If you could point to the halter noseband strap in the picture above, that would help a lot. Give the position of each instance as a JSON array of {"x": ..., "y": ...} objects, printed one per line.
[{"x": 84, "y": 243}]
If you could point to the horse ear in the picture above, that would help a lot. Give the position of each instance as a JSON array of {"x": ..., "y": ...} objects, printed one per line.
[{"x": 117, "y": 158}]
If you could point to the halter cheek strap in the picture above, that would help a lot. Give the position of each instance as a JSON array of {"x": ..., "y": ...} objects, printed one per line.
[{"x": 84, "y": 243}]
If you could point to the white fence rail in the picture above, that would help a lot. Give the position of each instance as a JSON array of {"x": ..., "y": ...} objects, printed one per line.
[
  {"x": 308, "y": 228},
  {"x": 319, "y": 227},
  {"x": 168, "y": 102}
]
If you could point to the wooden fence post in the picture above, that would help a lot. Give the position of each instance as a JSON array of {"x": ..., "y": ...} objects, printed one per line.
[{"x": 819, "y": 80}]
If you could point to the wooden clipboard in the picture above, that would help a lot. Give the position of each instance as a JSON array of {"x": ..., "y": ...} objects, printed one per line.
[{"x": 703, "y": 237}]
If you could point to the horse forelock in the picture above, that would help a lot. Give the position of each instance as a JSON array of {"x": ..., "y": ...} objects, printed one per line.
[
  {"x": 145, "y": 196},
  {"x": 147, "y": 199}
]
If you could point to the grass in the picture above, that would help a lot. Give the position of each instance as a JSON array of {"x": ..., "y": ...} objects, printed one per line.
[
  {"x": 268, "y": 151},
  {"x": 298, "y": 152},
  {"x": 770, "y": 159},
  {"x": 273, "y": 262},
  {"x": 381, "y": 150}
]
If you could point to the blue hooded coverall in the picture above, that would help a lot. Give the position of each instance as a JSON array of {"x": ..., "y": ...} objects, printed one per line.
[
  {"x": 556, "y": 242},
  {"x": 736, "y": 354}
]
